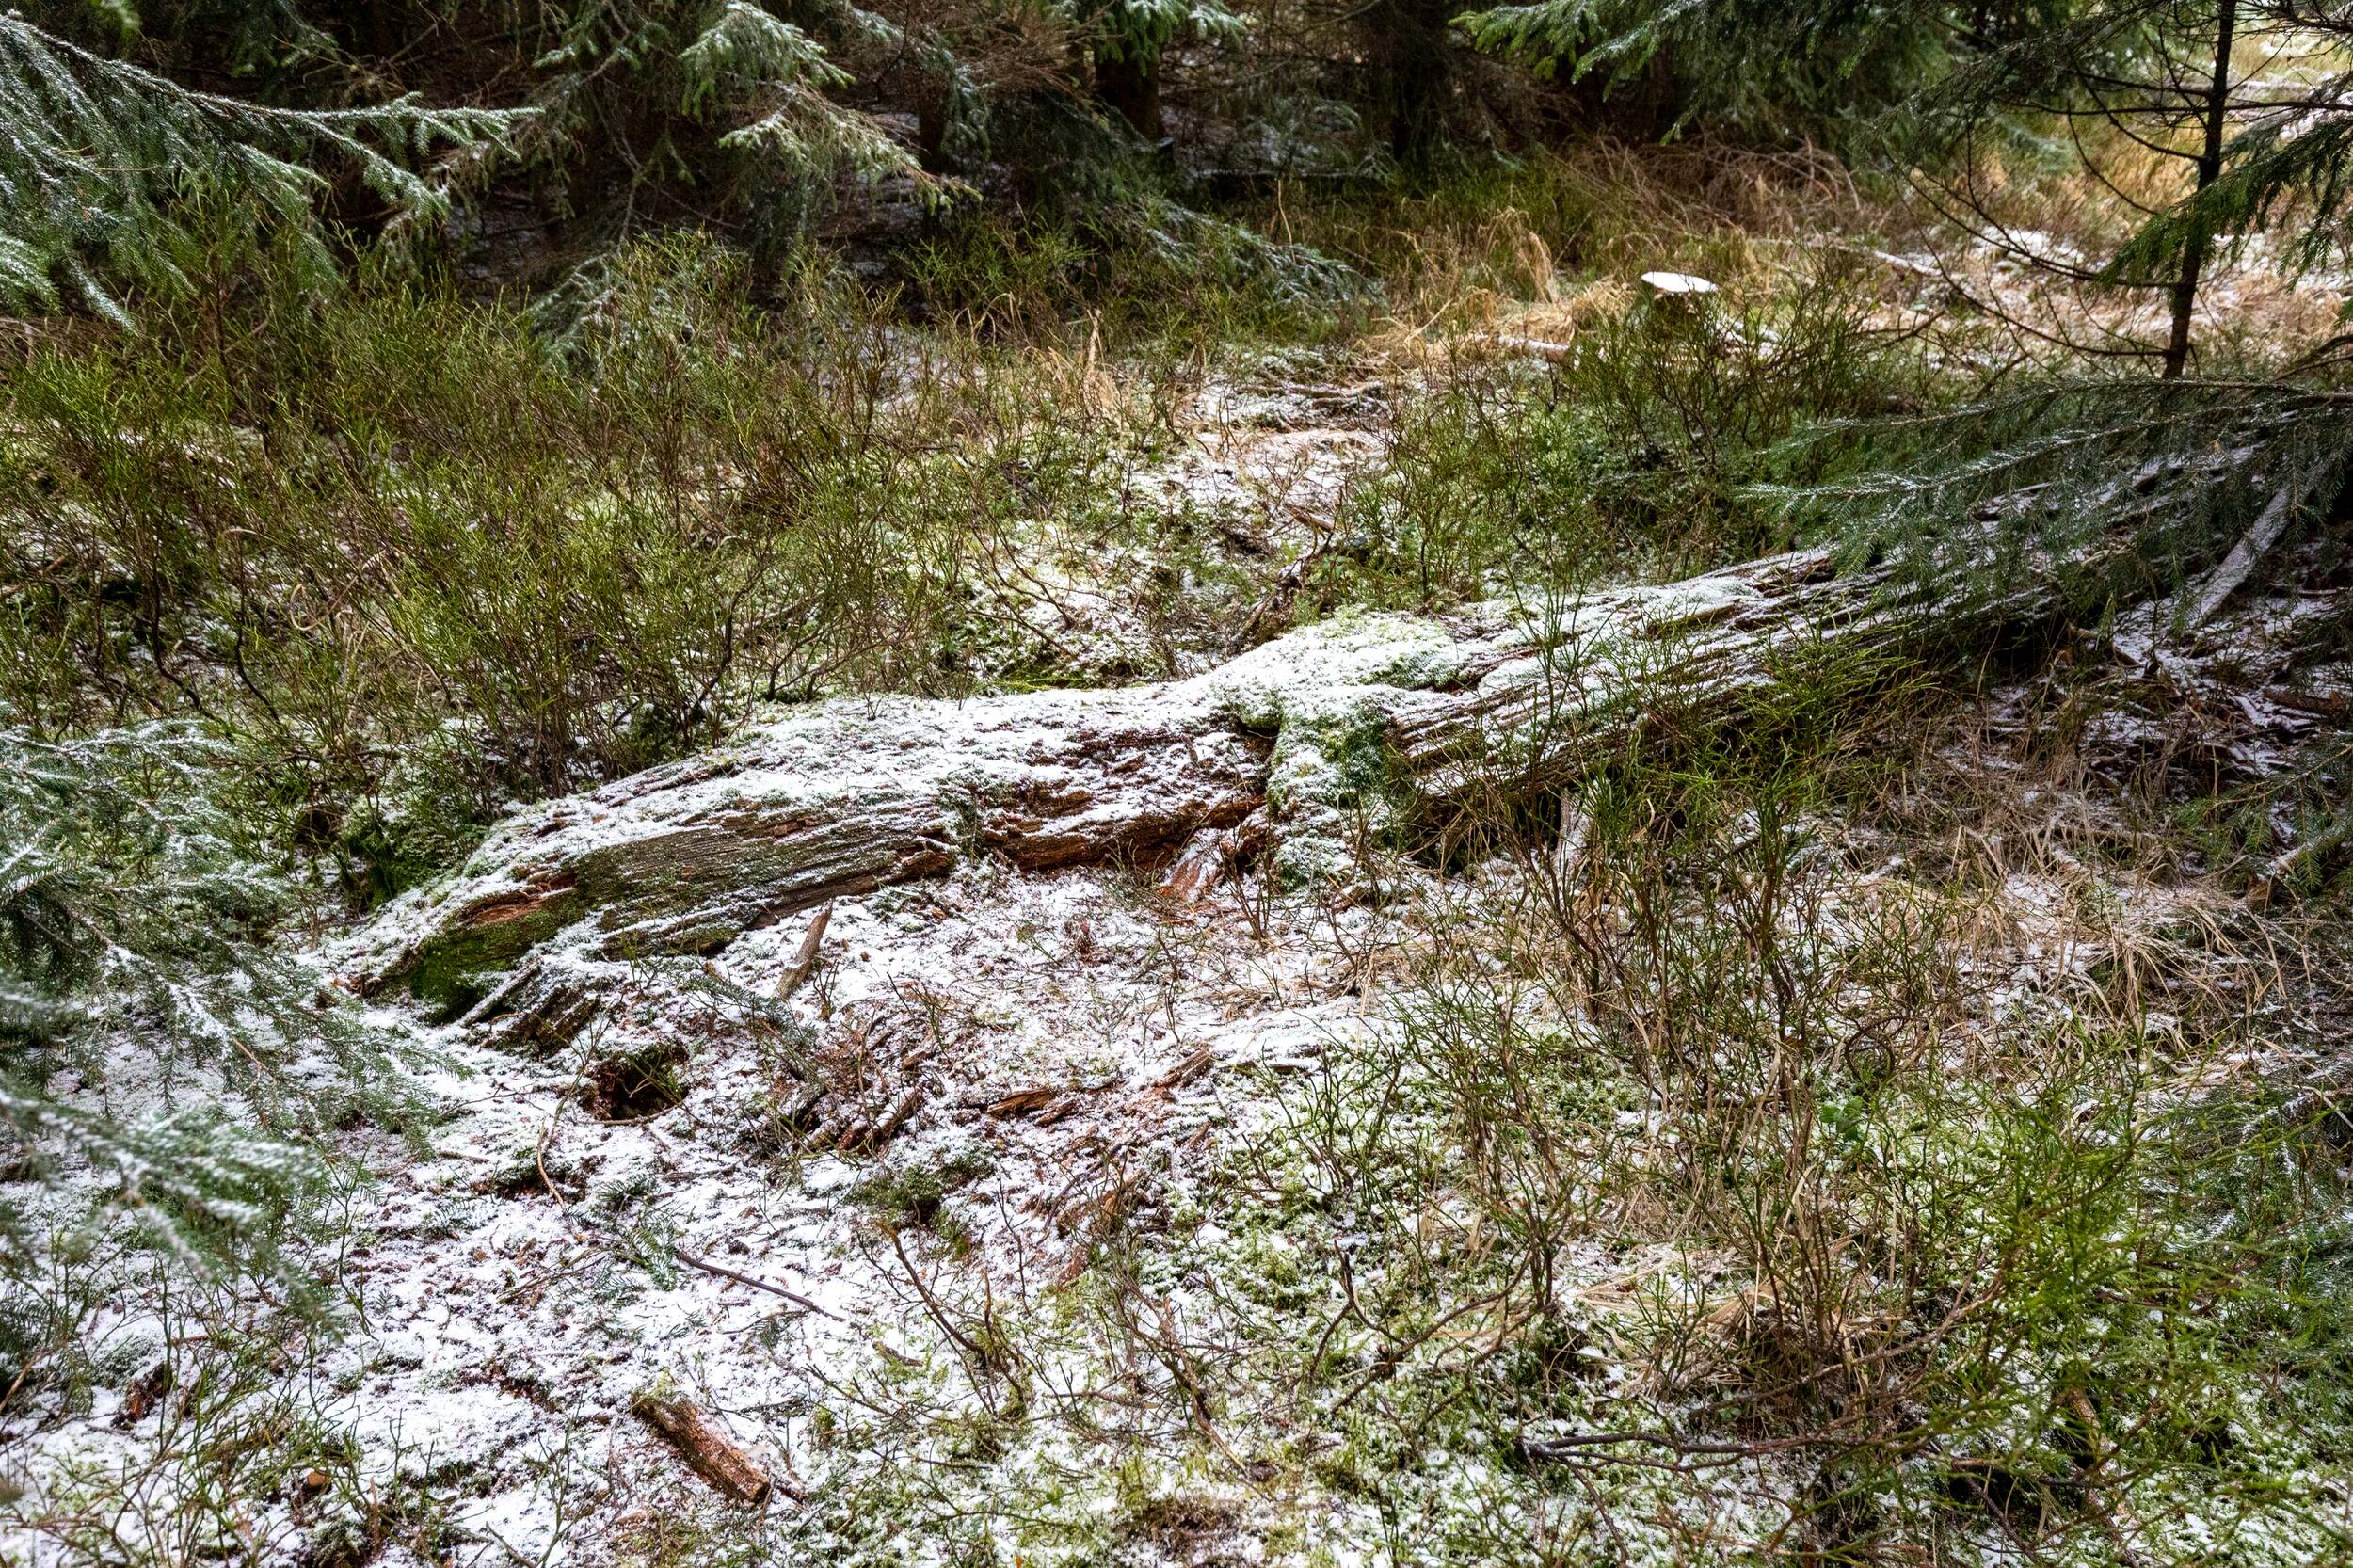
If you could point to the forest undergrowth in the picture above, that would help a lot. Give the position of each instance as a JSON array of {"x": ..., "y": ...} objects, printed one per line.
[{"x": 1881, "y": 1127}]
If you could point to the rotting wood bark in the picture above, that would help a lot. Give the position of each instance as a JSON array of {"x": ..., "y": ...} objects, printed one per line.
[{"x": 1299, "y": 744}]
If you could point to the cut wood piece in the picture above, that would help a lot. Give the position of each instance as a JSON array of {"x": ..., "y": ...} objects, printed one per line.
[
  {"x": 836, "y": 799},
  {"x": 1209, "y": 854},
  {"x": 543, "y": 1006},
  {"x": 1063, "y": 1108},
  {"x": 1198, "y": 867},
  {"x": 2325, "y": 705},
  {"x": 705, "y": 1451},
  {"x": 805, "y": 962},
  {"x": 906, "y": 1106},
  {"x": 1186, "y": 1071},
  {"x": 1535, "y": 348},
  {"x": 1364, "y": 721}
]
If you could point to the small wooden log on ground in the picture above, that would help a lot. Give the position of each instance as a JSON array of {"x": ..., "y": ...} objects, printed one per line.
[
  {"x": 708, "y": 1454},
  {"x": 805, "y": 962},
  {"x": 896, "y": 1117},
  {"x": 1535, "y": 348},
  {"x": 1024, "y": 1102},
  {"x": 1192, "y": 1067}
]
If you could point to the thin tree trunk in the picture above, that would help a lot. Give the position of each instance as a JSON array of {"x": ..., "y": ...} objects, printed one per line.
[
  {"x": 1407, "y": 44},
  {"x": 2209, "y": 169},
  {"x": 931, "y": 129},
  {"x": 1132, "y": 89}
]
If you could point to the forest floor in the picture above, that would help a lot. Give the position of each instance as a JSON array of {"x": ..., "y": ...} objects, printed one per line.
[{"x": 1145, "y": 1229}]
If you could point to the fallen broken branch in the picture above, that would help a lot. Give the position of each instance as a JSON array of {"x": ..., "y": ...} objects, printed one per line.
[
  {"x": 805, "y": 962},
  {"x": 2240, "y": 563},
  {"x": 723, "y": 1271}
]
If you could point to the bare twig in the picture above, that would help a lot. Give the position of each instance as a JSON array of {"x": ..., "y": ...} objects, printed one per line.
[{"x": 755, "y": 1281}]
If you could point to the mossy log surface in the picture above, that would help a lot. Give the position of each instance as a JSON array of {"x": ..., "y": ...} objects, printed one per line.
[{"x": 1367, "y": 722}]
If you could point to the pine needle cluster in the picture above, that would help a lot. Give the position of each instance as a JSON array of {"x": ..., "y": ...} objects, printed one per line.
[
  {"x": 153, "y": 1050},
  {"x": 102, "y": 160}
]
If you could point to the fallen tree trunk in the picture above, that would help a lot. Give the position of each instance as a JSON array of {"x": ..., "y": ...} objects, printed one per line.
[{"x": 1368, "y": 718}]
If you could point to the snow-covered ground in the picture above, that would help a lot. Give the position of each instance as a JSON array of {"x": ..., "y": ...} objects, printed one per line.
[
  {"x": 1074, "y": 1039},
  {"x": 935, "y": 1241}
]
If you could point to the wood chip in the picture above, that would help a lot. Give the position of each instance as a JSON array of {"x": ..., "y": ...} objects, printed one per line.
[
  {"x": 1186, "y": 1071},
  {"x": 1026, "y": 1102},
  {"x": 1200, "y": 867}
]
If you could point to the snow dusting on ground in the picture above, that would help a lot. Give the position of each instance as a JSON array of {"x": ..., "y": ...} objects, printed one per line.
[{"x": 1071, "y": 1040}]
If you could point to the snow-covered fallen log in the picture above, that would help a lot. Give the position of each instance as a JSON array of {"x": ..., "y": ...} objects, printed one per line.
[{"x": 1363, "y": 720}]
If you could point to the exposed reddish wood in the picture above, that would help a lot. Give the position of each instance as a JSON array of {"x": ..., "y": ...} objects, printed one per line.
[
  {"x": 1025, "y": 1102},
  {"x": 1197, "y": 867},
  {"x": 1209, "y": 853}
]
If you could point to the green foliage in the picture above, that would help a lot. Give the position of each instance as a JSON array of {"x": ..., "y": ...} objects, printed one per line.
[
  {"x": 1638, "y": 455},
  {"x": 2155, "y": 103},
  {"x": 740, "y": 95},
  {"x": 2133, "y": 482},
  {"x": 133, "y": 918},
  {"x": 99, "y": 160},
  {"x": 2287, "y": 149},
  {"x": 1141, "y": 31},
  {"x": 419, "y": 560},
  {"x": 1692, "y": 1147},
  {"x": 915, "y": 1194},
  {"x": 1785, "y": 69},
  {"x": 1151, "y": 269}
]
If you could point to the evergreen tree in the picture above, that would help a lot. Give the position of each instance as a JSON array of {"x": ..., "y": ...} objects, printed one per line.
[
  {"x": 1129, "y": 38},
  {"x": 1784, "y": 68},
  {"x": 134, "y": 933},
  {"x": 102, "y": 162},
  {"x": 2241, "y": 105}
]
